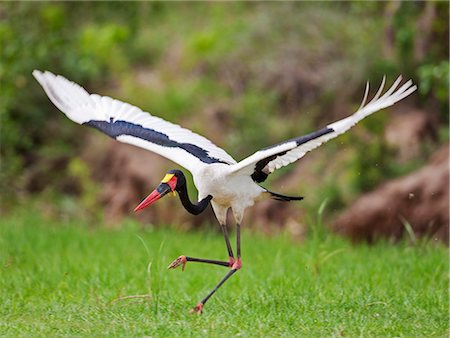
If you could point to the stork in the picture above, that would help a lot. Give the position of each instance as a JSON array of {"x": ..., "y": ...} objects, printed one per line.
[{"x": 219, "y": 179}]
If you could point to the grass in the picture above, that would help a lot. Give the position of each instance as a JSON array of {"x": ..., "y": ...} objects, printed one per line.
[{"x": 69, "y": 279}]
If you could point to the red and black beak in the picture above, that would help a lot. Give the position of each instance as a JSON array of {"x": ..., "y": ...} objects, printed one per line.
[{"x": 167, "y": 185}]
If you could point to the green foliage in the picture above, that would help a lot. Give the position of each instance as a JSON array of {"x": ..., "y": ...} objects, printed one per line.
[
  {"x": 42, "y": 35},
  {"x": 432, "y": 71},
  {"x": 370, "y": 165},
  {"x": 67, "y": 279},
  {"x": 434, "y": 82},
  {"x": 79, "y": 170},
  {"x": 96, "y": 45},
  {"x": 404, "y": 34},
  {"x": 334, "y": 195},
  {"x": 253, "y": 112}
]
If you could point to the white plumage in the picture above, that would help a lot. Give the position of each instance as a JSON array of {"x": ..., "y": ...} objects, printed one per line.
[
  {"x": 81, "y": 107},
  {"x": 295, "y": 151}
]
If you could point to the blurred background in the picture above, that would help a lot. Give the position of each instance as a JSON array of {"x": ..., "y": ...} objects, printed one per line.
[{"x": 245, "y": 75}]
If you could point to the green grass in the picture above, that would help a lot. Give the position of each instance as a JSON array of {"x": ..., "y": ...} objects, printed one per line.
[{"x": 67, "y": 279}]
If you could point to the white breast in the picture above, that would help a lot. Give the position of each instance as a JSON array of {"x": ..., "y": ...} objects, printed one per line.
[{"x": 227, "y": 189}]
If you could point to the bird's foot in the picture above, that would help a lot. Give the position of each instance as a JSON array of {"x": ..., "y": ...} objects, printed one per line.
[
  {"x": 198, "y": 309},
  {"x": 177, "y": 262}
]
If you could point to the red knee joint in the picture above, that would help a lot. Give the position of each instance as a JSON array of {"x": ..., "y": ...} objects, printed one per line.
[
  {"x": 198, "y": 309},
  {"x": 183, "y": 262},
  {"x": 230, "y": 261},
  {"x": 237, "y": 264}
]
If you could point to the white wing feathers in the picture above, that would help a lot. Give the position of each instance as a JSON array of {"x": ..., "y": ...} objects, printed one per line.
[
  {"x": 129, "y": 124},
  {"x": 265, "y": 161}
]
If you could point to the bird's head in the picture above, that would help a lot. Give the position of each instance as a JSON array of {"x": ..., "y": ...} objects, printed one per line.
[{"x": 173, "y": 181}]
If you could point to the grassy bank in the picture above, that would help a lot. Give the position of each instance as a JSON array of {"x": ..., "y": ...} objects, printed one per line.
[{"x": 69, "y": 279}]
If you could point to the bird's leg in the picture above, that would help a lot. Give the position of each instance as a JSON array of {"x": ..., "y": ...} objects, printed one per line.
[
  {"x": 182, "y": 260},
  {"x": 198, "y": 309},
  {"x": 238, "y": 241},
  {"x": 227, "y": 241},
  {"x": 235, "y": 267}
]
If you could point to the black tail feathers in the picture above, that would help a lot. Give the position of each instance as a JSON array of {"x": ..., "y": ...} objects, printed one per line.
[{"x": 284, "y": 198}]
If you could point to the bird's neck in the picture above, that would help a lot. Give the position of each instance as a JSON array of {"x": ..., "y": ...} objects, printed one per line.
[{"x": 194, "y": 209}]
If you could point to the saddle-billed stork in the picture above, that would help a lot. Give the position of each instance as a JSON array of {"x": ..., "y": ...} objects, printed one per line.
[{"x": 220, "y": 180}]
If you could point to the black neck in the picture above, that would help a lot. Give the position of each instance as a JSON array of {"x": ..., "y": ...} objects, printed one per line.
[{"x": 194, "y": 209}]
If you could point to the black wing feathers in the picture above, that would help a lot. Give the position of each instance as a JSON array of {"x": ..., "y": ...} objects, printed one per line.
[
  {"x": 118, "y": 128},
  {"x": 259, "y": 175}
]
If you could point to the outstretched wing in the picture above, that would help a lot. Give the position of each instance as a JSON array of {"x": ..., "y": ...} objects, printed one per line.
[
  {"x": 129, "y": 124},
  {"x": 263, "y": 162}
]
